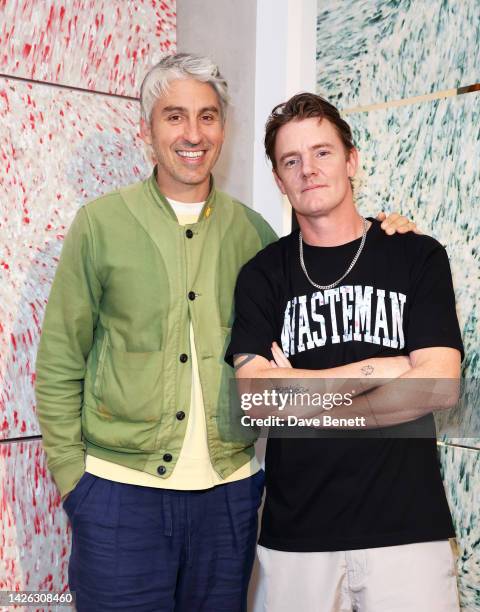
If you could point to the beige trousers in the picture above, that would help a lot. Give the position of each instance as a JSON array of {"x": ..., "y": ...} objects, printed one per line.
[{"x": 408, "y": 578}]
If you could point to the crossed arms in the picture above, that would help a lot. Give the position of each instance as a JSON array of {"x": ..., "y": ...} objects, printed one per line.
[{"x": 383, "y": 399}]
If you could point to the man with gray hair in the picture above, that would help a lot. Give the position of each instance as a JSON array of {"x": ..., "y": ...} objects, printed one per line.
[{"x": 132, "y": 390}]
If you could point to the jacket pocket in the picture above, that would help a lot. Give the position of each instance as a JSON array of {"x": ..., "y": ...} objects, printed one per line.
[{"x": 131, "y": 388}]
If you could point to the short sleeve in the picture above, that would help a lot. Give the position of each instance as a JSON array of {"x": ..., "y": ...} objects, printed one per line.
[
  {"x": 432, "y": 315},
  {"x": 254, "y": 325}
]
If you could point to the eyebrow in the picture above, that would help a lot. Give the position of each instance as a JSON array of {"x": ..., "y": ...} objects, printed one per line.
[
  {"x": 183, "y": 109},
  {"x": 321, "y": 145}
]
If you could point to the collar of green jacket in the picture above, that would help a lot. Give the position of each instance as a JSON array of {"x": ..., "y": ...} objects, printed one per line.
[{"x": 207, "y": 209}]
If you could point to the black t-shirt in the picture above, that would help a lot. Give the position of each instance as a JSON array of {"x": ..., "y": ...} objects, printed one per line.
[{"x": 339, "y": 494}]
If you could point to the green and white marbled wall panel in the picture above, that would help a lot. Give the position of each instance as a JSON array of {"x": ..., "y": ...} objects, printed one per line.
[
  {"x": 461, "y": 475},
  {"x": 423, "y": 159},
  {"x": 371, "y": 51}
]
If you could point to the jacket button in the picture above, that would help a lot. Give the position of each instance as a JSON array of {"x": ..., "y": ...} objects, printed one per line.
[
  {"x": 189, "y": 233},
  {"x": 192, "y": 295},
  {"x": 180, "y": 415},
  {"x": 167, "y": 457},
  {"x": 161, "y": 470},
  {"x": 183, "y": 357}
]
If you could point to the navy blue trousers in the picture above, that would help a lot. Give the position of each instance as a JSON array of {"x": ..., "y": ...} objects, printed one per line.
[{"x": 155, "y": 550}]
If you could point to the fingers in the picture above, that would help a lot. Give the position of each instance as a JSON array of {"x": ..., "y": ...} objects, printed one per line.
[
  {"x": 279, "y": 357},
  {"x": 390, "y": 224},
  {"x": 399, "y": 223},
  {"x": 275, "y": 362},
  {"x": 408, "y": 227},
  {"x": 396, "y": 222}
]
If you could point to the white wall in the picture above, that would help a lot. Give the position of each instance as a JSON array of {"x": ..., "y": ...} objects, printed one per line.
[{"x": 225, "y": 31}]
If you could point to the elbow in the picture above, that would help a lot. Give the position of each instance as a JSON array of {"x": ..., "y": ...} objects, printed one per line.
[
  {"x": 449, "y": 383},
  {"x": 452, "y": 399},
  {"x": 448, "y": 393}
]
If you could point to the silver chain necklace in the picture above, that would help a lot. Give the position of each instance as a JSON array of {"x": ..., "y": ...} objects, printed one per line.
[{"x": 349, "y": 269}]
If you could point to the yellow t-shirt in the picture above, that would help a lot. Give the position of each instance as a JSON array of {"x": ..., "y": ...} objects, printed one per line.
[{"x": 193, "y": 470}]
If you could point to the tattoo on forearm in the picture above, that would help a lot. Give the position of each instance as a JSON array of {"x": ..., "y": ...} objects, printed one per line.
[
  {"x": 367, "y": 370},
  {"x": 246, "y": 358}
]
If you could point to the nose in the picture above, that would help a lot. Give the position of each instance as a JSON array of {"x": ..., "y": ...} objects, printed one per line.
[
  {"x": 192, "y": 132},
  {"x": 308, "y": 166}
]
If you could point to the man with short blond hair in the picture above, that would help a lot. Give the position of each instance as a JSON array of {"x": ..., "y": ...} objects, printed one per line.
[{"x": 360, "y": 522}]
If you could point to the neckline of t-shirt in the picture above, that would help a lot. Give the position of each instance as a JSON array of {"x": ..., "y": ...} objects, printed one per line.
[
  {"x": 186, "y": 208},
  {"x": 371, "y": 233}
]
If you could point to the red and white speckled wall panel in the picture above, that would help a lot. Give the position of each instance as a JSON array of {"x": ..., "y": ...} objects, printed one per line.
[
  {"x": 59, "y": 149},
  {"x": 34, "y": 532},
  {"x": 103, "y": 45}
]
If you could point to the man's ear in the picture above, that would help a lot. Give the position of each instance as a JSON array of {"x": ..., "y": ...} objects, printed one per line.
[
  {"x": 145, "y": 131},
  {"x": 352, "y": 162},
  {"x": 279, "y": 181}
]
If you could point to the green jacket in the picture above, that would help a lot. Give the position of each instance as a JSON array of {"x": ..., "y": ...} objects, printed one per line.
[{"x": 113, "y": 368}]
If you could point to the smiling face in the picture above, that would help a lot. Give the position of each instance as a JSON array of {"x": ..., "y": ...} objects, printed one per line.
[
  {"x": 313, "y": 167},
  {"x": 186, "y": 134}
]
